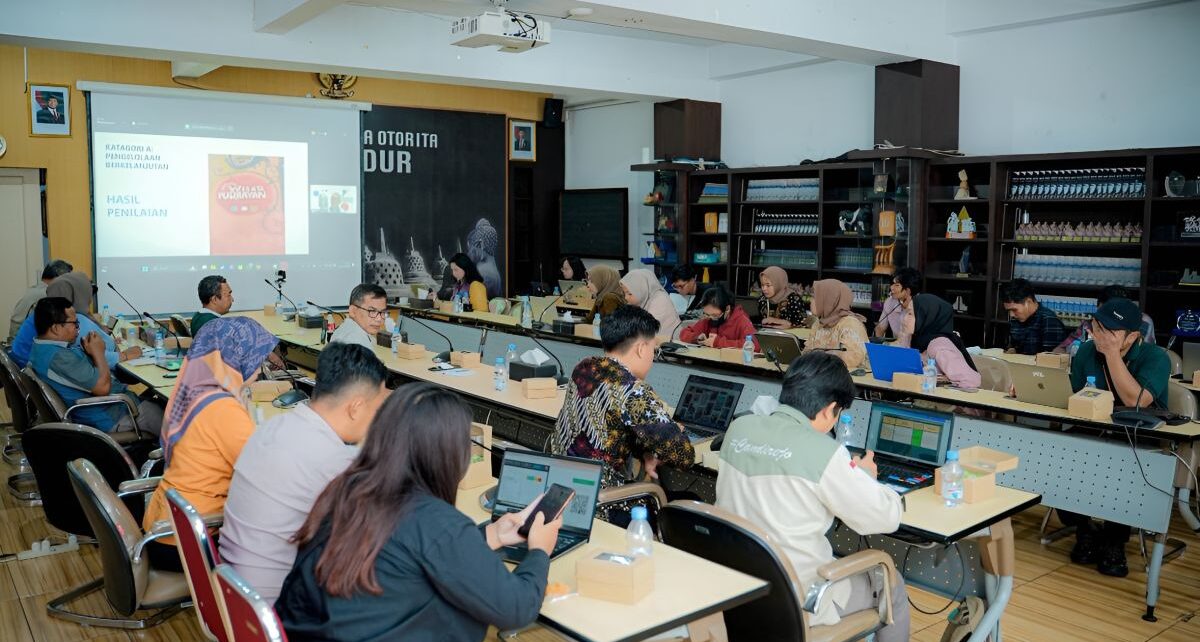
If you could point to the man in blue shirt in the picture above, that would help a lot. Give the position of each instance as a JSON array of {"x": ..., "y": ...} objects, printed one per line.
[
  {"x": 22, "y": 343},
  {"x": 1032, "y": 327},
  {"x": 79, "y": 372}
]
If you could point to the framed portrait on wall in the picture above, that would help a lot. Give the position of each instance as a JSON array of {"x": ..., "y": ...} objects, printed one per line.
[
  {"x": 49, "y": 110},
  {"x": 522, "y": 140}
]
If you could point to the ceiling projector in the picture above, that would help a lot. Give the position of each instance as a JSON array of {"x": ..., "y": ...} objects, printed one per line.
[{"x": 511, "y": 32}]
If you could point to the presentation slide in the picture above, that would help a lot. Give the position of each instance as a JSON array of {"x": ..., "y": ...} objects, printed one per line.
[{"x": 186, "y": 185}]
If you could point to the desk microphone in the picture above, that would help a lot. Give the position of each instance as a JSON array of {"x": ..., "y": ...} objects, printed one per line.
[
  {"x": 279, "y": 290},
  {"x": 482, "y": 340},
  {"x": 135, "y": 310},
  {"x": 443, "y": 356},
  {"x": 178, "y": 345},
  {"x": 331, "y": 310},
  {"x": 542, "y": 317}
]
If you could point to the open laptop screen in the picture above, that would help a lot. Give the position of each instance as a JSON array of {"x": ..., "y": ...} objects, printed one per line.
[
  {"x": 708, "y": 403},
  {"x": 524, "y": 475},
  {"x": 914, "y": 434}
]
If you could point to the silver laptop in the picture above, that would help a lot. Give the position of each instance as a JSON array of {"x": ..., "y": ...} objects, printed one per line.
[
  {"x": 571, "y": 289},
  {"x": 707, "y": 406},
  {"x": 1040, "y": 385},
  {"x": 779, "y": 347},
  {"x": 1191, "y": 361},
  {"x": 526, "y": 474}
]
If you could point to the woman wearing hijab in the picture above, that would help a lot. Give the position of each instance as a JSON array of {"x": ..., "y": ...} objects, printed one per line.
[
  {"x": 837, "y": 327},
  {"x": 468, "y": 283},
  {"x": 933, "y": 334},
  {"x": 641, "y": 288},
  {"x": 605, "y": 285},
  {"x": 206, "y": 422},
  {"x": 780, "y": 305}
]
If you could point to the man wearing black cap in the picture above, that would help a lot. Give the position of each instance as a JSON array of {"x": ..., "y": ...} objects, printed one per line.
[{"x": 1137, "y": 374}]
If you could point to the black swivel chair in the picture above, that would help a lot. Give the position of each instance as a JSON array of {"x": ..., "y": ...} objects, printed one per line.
[
  {"x": 20, "y": 485},
  {"x": 726, "y": 539}
]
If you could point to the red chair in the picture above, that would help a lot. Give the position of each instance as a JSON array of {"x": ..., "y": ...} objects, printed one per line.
[
  {"x": 249, "y": 617},
  {"x": 200, "y": 558}
]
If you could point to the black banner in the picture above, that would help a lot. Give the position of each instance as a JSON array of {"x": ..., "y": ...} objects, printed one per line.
[{"x": 433, "y": 185}]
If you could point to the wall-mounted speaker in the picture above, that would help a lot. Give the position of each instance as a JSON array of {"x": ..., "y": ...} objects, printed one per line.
[{"x": 552, "y": 112}]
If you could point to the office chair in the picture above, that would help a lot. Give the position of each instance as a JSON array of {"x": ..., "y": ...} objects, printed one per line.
[
  {"x": 724, "y": 538},
  {"x": 50, "y": 407},
  {"x": 200, "y": 559},
  {"x": 21, "y": 485},
  {"x": 129, "y": 583},
  {"x": 1176, "y": 362},
  {"x": 250, "y": 618},
  {"x": 1180, "y": 401}
]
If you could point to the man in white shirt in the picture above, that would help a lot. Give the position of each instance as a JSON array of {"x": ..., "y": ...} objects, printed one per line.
[
  {"x": 364, "y": 319},
  {"x": 786, "y": 474},
  {"x": 35, "y": 293},
  {"x": 288, "y": 461}
]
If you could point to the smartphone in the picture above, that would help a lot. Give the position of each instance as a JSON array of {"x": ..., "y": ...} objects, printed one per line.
[{"x": 552, "y": 505}]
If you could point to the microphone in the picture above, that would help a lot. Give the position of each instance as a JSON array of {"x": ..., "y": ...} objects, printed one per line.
[
  {"x": 672, "y": 346},
  {"x": 178, "y": 346},
  {"x": 482, "y": 340},
  {"x": 283, "y": 296},
  {"x": 135, "y": 310},
  {"x": 443, "y": 356},
  {"x": 331, "y": 310},
  {"x": 541, "y": 317}
]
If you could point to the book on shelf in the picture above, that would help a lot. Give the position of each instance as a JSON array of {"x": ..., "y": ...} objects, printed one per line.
[
  {"x": 782, "y": 189},
  {"x": 714, "y": 193}
]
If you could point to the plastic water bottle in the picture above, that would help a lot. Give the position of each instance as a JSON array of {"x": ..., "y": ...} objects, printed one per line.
[
  {"x": 1091, "y": 382},
  {"x": 929, "y": 381},
  {"x": 396, "y": 339},
  {"x": 509, "y": 358},
  {"x": 952, "y": 480},
  {"x": 104, "y": 315},
  {"x": 279, "y": 308},
  {"x": 748, "y": 350},
  {"x": 160, "y": 350},
  {"x": 556, "y": 292},
  {"x": 458, "y": 304},
  {"x": 1073, "y": 350},
  {"x": 846, "y": 430},
  {"x": 639, "y": 537},
  {"x": 500, "y": 376},
  {"x": 526, "y": 313}
]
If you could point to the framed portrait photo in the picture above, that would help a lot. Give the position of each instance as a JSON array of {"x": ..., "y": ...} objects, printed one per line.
[
  {"x": 49, "y": 110},
  {"x": 522, "y": 140}
]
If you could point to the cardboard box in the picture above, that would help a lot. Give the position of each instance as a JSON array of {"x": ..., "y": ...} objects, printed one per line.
[
  {"x": 479, "y": 471},
  {"x": 980, "y": 466},
  {"x": 1091, "y": 403},
  {"x": 170, "y": 343},
  {"x": 465, "y": 359},
  {"x": 268, "y": 390},
  {"x": 539, "y": 388},
  {"x": 907, "y": 381},
  {"x": 446, "y": 306},
  {"x": 269, "y": 310},
  {"x": 1196, "y": 378},
  {"x": 410, "y": 351},
  {"x": 614, "y": 577},
  {"x": 731, "y": 355},
  {"x": 587, "y": 330},
  {"x": 1052, "y": 360}
]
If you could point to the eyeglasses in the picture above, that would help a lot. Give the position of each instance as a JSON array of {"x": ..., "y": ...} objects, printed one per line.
[
  {"x": 74, "y": 323},
  {"x": 714, "y": 317},
  {"x": 371, "y": 312}
]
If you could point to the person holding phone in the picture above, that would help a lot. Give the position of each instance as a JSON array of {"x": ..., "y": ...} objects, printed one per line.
[{"x": 385, "y": 555}]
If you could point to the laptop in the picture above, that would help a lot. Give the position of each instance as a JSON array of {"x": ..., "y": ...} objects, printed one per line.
[
  {"x": 887, "y": 360},
  {"x": 778, "y": 346},
  {"x": 909, "y": 444},
  {"x": 707, "y": 406},
  {"x": 1042, "y": 386},
  {"x": 572, "y": 290},
  {"x": 1191, "y": 361},
  {"x": 526, "y": 474}
]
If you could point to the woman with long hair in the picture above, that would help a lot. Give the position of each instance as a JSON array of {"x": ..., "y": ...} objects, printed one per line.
[
  {"x": 468, "y": 283},
  {"x": 385, "y": 555},
  {"x": 572, "y": 269}
]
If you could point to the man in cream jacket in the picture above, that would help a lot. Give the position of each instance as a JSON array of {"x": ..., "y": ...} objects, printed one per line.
[{"x": 784, "y": 473}]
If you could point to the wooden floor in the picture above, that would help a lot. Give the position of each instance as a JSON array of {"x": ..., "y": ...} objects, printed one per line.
[{"x": 1053, "y": 599}]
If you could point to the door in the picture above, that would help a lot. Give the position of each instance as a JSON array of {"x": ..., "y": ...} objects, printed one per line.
[{"x": 21, "y": 257}]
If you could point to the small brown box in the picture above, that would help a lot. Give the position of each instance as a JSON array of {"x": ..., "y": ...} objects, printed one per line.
[
  {"x": 410, "y": 351},
  {"x": 1053, "y": 360},
  {"x": 586, "y": 330},
  {"x": 268, "y": 310},
  {"x": 1196, "y": 378},
  {"x": 268, "y": 390},
  {"x": 980, "y": 465},
  {"x": 1091, "y": 403},
  {"x": 539, "y": 387},
  {"x": 614, "y": 577},
  {"x": 731, "y": 355},
  {"x": 465, "y": 359},
  {"x": 907, "y": 381},
  {"x": 479, "y": 471},
  {"x": 446, "y": 306}
]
